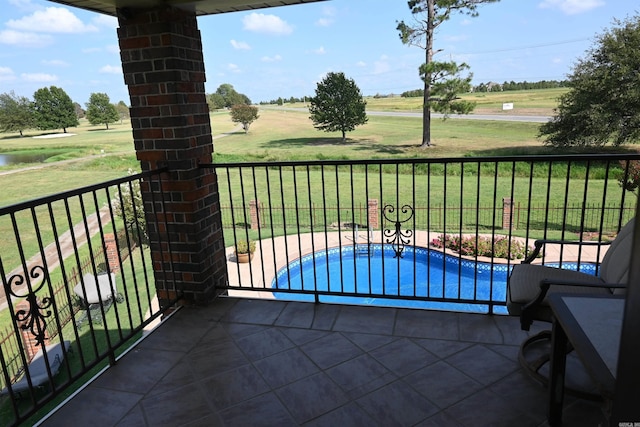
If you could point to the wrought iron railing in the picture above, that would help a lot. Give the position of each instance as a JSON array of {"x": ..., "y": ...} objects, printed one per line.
[
  {"x": 77, "y": 287},
  {"x": 316, "y": 224}
]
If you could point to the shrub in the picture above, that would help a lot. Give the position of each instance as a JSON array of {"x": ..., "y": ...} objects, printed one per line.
[
  {"x": 243, "y": 246},
  {"x": 499, "y": 247}
]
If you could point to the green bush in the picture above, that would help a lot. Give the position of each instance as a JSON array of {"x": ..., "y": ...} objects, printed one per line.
[
  {"x": 244, "y": 247},
  {"x": 499, "y": 247}
]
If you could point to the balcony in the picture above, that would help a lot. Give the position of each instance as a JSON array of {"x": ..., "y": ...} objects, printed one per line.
[
  {"x": 253, "y": 355},
  {"x": 252, "y": 362}
]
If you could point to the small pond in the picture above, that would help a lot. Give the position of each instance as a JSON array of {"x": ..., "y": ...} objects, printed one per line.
[{"x": 12, "y": 159}]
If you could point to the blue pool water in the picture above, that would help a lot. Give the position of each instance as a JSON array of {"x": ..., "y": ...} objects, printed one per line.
[{"x": 420, "y": 272}]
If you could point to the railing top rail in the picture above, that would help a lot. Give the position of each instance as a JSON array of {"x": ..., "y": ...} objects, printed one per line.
[
  {"x": 485, "y": 159},
  {"x": 77, "y": 191}
]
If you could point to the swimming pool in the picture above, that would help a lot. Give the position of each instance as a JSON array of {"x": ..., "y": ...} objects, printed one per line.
[{"x": 377, "y": 278}]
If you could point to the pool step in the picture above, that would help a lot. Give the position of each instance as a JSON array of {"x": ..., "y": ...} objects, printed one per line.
[{"x": 364, "y": 249}]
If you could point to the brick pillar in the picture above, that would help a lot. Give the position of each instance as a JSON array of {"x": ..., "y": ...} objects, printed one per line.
[
  {"x": 507, "y": 213},
  {"x": 372, "y": 213},
  {"x": 161, "y": 51},
  {"x": 111, "y": 255},
  {"x": 256, "y": 214}
]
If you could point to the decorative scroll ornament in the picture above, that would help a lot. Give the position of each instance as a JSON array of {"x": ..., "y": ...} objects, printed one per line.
[
  {"x": 398, "y": 238},
  {"x": 32, "y": 319}
]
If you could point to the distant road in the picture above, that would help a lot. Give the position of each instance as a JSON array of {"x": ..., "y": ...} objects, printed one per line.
[{"x": 496, "y": 117}]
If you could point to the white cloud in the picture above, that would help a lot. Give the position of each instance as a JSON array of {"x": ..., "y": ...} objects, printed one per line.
[
  {"x": 6, "y": 74},
  {"x": 233, "y": 68},
  {"x": 324, "y": 22},
  {"x": 571, "y": 7},
  {"x": 111, "y": 69},
  {"x": 105, "y": 21},
  {"x": 19, "y": 38},
  {"x": 240, "y": 45},
  {"x": 320, "y": 51},
  {"x": 268, "y": 24},
  {"x": 361, "y": 64},
  {"x": 38, "y": 77},
  {"x": 275, "y": 58},
  {"x": 112, "y": 48},
  {"x": 328, "y": 13},
  {"x": 91, "y": 50},
  {"x": 55, "y": 62},
  {"x": 51, "y": 20}
]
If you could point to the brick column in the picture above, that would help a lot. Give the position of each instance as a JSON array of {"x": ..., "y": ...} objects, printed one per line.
[
  {"x": 507, "y": 213},
  {"x": 111, "y": 256},
  {"x": 255, "y": 213},
  {"x": 372, "y": 213},
  {"x": 161, "y": 51}
]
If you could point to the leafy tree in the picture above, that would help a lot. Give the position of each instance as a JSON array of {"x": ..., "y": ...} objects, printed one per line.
[
  {"x": 603, "y": 103},
  {"x": 54, "y": 109},
  {"x": 15, "y": 113},
  {"x": 80, "y": 112},
  {"x": 338, "y": 105},
  {"x": 629, "y": 177},
  {"x": 215, "y": 101},
  {"x": 129, "y": 206},
  {"x": 230, "y": 96},
  {"x": 245, "y": 114},
  {"x": 101, "y": 110},
  {"x": 441, "y": 79},
  {"x": 123, "y": 110}
]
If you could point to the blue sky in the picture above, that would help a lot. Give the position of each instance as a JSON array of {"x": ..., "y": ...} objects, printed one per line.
[{"x": 285, "y": 51}]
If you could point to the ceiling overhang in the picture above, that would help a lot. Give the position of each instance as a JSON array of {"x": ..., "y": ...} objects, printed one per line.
[{"x": 201, "y": 7}]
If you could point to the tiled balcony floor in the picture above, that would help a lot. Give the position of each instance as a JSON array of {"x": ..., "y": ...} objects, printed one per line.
[{"x": 243, "y": 362}]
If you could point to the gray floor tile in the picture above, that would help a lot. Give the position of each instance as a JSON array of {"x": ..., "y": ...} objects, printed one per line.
[
  {"x": 488, "y": 409},
  {"x": 403, "y": 356},
  {"x": 265, "y": 410},
  {"x": 427, "y": 324},
  {"x": 372, "y": 320},
  {"x": 266, "y": 363},
  {"x": 260, "y": 312},
  {"x": 139, "y": 372},
  {"x": 185, "y": 404},
  {"x": 479, "y": 328},
  {"x": 483, "y": 364},
  {"x": 264, "y": 343},
  {"x": 94, "y": 406},
  {"x": 347, "y": 415},
  {"x": 303, "y": 336},
  {"x": 442, "y": 348},
  {"x": 211, "y": 359},
  {"x": 524, "y": 394},
  {"x": 234, "y": 386},
  {"x": 441, "y": 419},
  {"x": 369, "y": 342},
  {"x": 397, "y": 404},
  {"x": 135, "y": 418},
  {"x": 360, "y": 375},
  {"x": 297, "y": 315},
  {"x": 311, "y": 397},
  {"x": 286, "y": 367},
  {"x": 331, "y": 350},
  {"x": 443, "y": 384}
]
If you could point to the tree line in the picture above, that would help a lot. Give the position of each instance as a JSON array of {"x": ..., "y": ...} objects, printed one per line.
[
  {"x": 52, "y": 108},
  {"x": 500, "y": 87}
]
